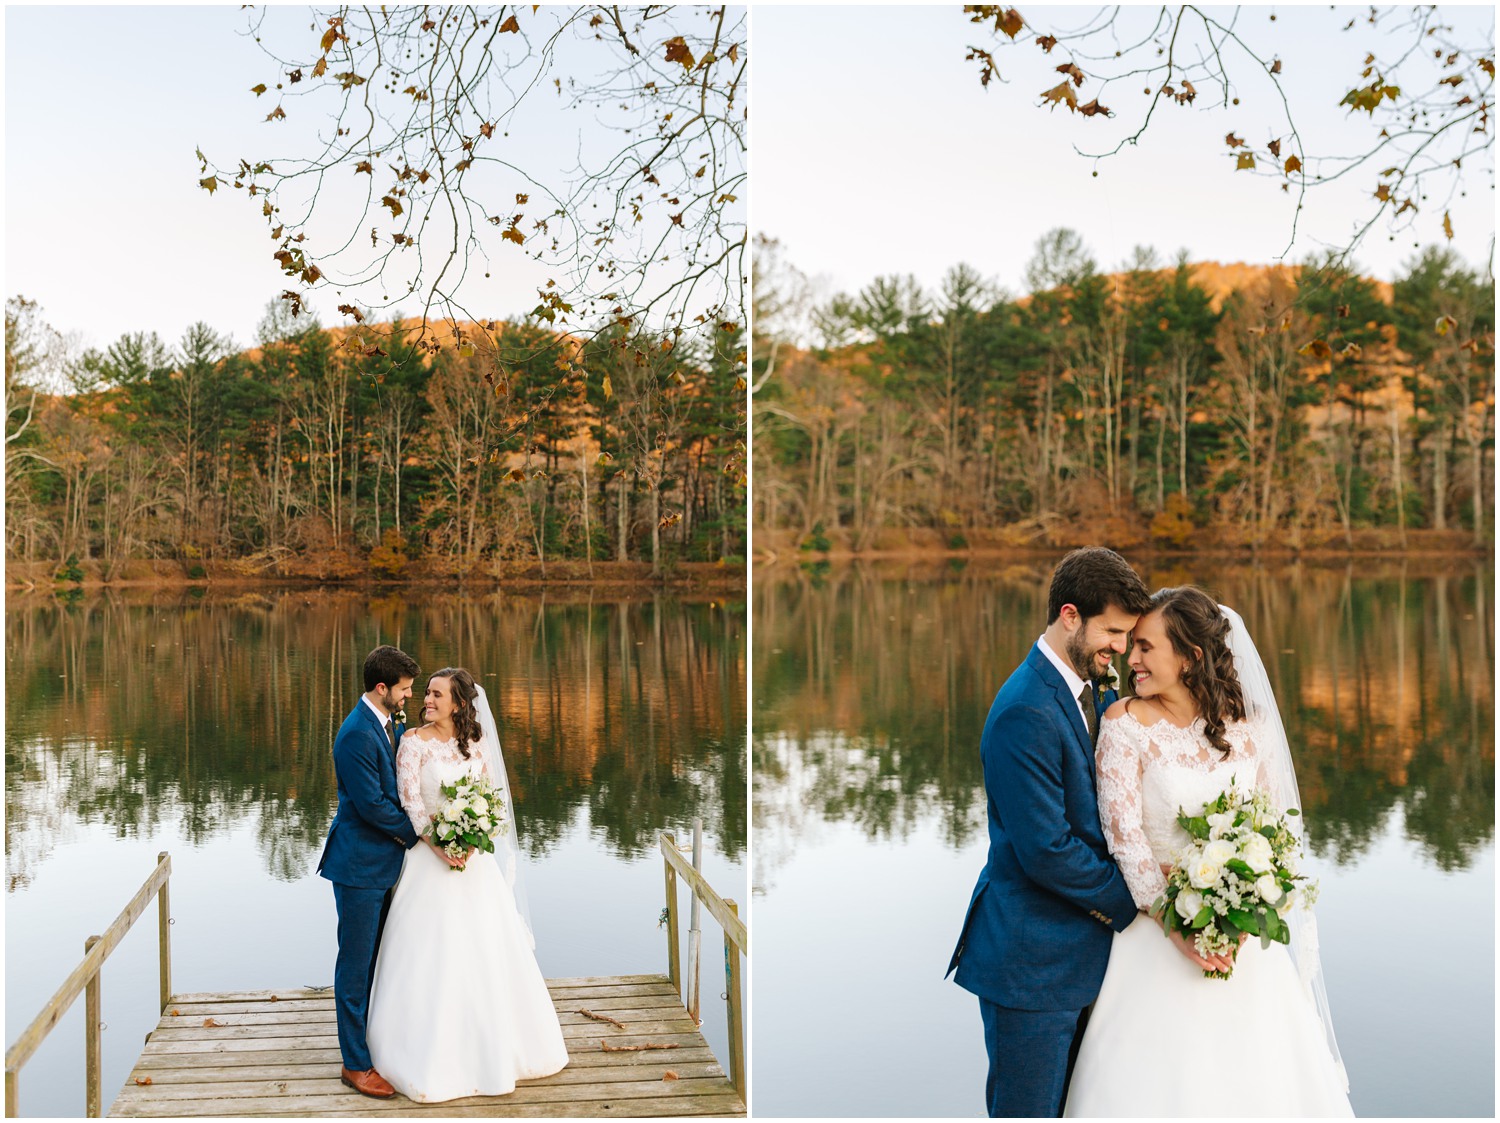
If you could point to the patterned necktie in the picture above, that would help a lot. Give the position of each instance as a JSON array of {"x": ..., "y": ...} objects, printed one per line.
[
  {"x": 1090, "y": 716},
  {"x": 390, "y": 732}
]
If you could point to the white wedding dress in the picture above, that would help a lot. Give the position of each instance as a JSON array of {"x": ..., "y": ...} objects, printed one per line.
[
  {"x": 1163, "y": 1040},
  {"x": 458, "y": 1006}
]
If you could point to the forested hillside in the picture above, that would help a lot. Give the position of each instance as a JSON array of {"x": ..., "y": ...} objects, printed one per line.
[
  {"x": 1237, "y": 406},
  {"x": 366, "y": 451}
]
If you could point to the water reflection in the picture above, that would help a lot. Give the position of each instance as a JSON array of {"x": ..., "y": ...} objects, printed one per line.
[
  {"x": 872, "y": 686},
  {"x": 138, "y": 710}
]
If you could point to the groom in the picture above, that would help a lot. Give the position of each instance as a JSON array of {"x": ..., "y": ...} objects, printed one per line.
[
  {"x": 366, "y": 844},
  {"x": 1036, "y": 938}
]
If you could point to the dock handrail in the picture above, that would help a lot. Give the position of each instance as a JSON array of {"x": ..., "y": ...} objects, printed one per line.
[
  {"x": 84, "y": 979},
  {"x": 736, "y": 943}
]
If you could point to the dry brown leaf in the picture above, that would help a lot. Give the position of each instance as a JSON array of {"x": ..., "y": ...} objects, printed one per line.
[
  {"x": 1061, "y": 95},
  {"x": 678, "y": 51},
  {"x": 1072, "y": 71}
]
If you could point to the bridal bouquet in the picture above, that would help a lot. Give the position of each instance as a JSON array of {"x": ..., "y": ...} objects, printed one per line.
[
  {"x": 1238, "y": 874},
  {"x": 472, "y": 815}
]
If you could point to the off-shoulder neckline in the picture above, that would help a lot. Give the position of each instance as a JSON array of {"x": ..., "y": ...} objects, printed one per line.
[
  {"x": 1197, "y": 721},
  {"x": 414, "y": 734}
]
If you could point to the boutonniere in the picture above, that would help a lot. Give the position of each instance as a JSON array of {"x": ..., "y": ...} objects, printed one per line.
[
  {"x": 1109, "y": 680},
  {"x": 399, "y": 717}
]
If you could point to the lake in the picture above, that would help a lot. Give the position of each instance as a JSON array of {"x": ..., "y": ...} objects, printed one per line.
[
  {"x": 871, "y": 684},
  {"x": 202, "y": 724}
]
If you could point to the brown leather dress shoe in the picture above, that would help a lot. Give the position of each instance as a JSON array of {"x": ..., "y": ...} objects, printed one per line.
[{"x": 368, "y": 1083}]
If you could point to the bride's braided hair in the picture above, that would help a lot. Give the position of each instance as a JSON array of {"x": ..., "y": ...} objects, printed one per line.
[
  {"x": 465, "y": 691},
  {"x": 1193, "y": 621}
]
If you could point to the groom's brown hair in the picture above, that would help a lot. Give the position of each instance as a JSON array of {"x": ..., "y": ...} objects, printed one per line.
[
  {"x": 389, "y": 665},
  {"x": 1092, "y": 578}
]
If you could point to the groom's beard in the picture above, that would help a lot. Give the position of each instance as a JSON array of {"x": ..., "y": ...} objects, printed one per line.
[{"x": 1081, "y": 657}]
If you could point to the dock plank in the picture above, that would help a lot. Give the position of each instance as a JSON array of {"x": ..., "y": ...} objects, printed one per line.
[{"x": 275, "y": 1053}]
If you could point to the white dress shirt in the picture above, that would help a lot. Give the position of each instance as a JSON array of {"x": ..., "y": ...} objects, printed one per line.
[
  {"x": 1070, "y": 676},
  {"x": 380, "y": 714}
]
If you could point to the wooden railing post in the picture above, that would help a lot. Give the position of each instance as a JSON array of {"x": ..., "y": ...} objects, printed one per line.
[
  {"x": 93, "y": 1046},
  {"x": 12, "y": 1095},
  {"x": 695, "y": 931},
  {"x": 164, "y": 938},
  {"x": 674, "y": 960},
  {"x": 736, "y": 1011}
]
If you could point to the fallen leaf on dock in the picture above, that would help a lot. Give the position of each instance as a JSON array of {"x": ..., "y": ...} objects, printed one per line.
[
  {"x": 670, "y": 1075},
  {"x": 210, "y": 1023},
  {"x": 176, "y": 1013},
  {"x": 143, "y": 1080}
]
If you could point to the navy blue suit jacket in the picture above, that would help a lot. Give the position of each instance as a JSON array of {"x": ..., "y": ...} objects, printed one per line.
[
  {"x": 1040, "y": 921},
  {"x": 370, "y": 833}
]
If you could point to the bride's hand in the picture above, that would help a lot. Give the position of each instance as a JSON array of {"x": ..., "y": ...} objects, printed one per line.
[
  {"x": 1207, "y": 962},
  {"x": 456, "y": 863}
]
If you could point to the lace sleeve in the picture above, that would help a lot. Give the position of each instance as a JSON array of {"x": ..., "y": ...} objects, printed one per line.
[
  {"x": 409, "y": 782},
  {"x": 1120, "y": 768}
]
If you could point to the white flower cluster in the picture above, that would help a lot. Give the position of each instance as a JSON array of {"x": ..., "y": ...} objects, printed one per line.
[
  {"x": 472, "y": 815},
  {"x": 1236, "y": 876}
]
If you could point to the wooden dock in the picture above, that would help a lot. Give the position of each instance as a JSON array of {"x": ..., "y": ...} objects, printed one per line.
[{"x": 262, "y": 1053}]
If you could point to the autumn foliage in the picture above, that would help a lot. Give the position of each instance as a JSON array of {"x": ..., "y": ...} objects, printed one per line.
[
  {"x": 355, "y": 452},
  {"x": 1201, "y": 405}
]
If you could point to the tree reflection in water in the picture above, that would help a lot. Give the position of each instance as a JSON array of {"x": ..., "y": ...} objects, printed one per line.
[
  {"x": 872, "y": 684},
  {"x": 137, "y": 708}
]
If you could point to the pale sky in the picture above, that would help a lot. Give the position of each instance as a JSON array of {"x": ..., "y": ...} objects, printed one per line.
[
  {"x": 106, "y": 226},
  {"x": 876, "y": 151}
]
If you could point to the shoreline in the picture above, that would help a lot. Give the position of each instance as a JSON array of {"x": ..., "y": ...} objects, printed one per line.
[
  {"x": 40, "y": 578},
  {"x": 914, "y": 545}
]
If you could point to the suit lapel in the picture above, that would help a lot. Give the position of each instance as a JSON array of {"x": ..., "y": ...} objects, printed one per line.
[
  {"x": 379, "y": 728},
  {"x": 1043, "y": 666}
]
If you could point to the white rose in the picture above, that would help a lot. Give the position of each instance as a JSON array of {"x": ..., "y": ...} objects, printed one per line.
[
  {"x": 1257, "y": 852},
  {"x": 1189, "y": 904},
  {"x": 481, "y": 806},
  {"x": 451, "y": 814},
  {"x": 1219, "y": 851},
  {"x": 485, "y": 824},
  {"x": 1268, "y": 888},
  {"x": 1203, "y": 873},
  {"x": 1219, "y": 825}
]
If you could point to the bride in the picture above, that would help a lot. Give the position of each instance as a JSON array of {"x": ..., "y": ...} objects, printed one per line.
[
  {"x": 1163, "y": 1040},
  {"x": 458, "y": 1004}
]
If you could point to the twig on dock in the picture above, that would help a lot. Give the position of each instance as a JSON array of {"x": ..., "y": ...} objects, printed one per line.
[
  {"x": 608, "y": 1048},
  {"x": 600, "y": 1018}
]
